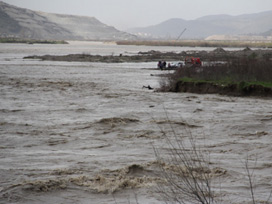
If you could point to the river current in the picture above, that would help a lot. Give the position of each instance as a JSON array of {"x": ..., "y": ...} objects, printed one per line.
[{"x": 81, "y": 132}]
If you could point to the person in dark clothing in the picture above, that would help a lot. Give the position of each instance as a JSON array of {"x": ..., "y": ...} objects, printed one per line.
[
  {"x": 159, "y": 64},
  {"x": 148, "y": 87},
  {"x": 164, "y": 64}
]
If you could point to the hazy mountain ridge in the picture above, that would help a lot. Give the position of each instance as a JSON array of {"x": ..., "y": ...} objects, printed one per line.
[
  {"x": 267, "y": 33},
  {"x": 25, "y": 23},
  {"x": 209, "y": 25}
]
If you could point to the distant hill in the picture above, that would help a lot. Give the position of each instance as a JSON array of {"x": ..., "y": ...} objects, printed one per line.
[
  {"x": 209, "y": 25},
  {"x": 267, "y": 33},
  {"x": 25, "y": 23}
]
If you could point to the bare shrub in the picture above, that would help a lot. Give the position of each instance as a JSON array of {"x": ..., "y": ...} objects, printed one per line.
[
  {"x": 185, "y": 168},
  {"x": 165, "y": 82},
  {"x": 249, "y": 172},
  {"x": 233, "y": 71},
  {"x": 250, "y": 179}
]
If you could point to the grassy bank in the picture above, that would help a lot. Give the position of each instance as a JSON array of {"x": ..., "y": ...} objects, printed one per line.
[
  {"x": 199, "y": 43},
  {"x": 31, "y": 41},
  {"x": 236, "y": 77}
]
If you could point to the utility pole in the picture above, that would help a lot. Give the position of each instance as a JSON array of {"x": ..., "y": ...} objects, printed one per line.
[{"x": 181, "y": 34}]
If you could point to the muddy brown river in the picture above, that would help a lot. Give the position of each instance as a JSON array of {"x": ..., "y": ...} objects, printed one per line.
[{"x": 74, "y": 132}]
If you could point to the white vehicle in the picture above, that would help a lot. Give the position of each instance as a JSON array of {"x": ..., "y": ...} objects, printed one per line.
[{"x": 175, "y": 64}]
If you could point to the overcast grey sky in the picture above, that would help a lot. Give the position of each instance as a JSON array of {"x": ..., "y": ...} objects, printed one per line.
[{"x": 124, "y": 14}]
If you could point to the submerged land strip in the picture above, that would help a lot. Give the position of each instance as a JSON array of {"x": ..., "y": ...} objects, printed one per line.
[
  {"x": 245, "y": 72},
  {"x": 219, "y": 54}
]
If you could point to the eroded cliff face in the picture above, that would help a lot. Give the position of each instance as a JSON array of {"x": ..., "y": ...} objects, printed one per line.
[
  {"x": 24, "y": 23},
  {"x": 231, "y": 89},
  {"x": 88, "y": 28}
]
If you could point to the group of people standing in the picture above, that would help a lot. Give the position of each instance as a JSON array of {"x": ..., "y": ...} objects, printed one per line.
[{"x": 162, "y": 65}]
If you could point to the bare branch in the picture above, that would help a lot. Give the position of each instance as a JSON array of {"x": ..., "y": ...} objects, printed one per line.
[{"x": 185, "y": 170}]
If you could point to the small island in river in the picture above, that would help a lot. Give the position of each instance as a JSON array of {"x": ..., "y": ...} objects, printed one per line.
[{"x": 244, "y": 72}]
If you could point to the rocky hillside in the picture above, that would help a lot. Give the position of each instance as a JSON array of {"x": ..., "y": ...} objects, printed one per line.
[
  {"x": 249, "y": 24},
  {"x": 24, "y": 23}
]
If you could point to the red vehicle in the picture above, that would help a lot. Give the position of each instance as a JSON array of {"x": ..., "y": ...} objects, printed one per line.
[{"x": 194, "y": 61}]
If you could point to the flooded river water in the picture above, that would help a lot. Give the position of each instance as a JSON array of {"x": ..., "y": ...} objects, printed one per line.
[{"x": 74, "y": 132}]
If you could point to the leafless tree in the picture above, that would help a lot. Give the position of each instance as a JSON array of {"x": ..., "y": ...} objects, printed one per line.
[{"x": 185, "y": 169}]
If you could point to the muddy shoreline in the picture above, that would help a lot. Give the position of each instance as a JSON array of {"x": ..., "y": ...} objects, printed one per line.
[{"x": 229, "y": 90}]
